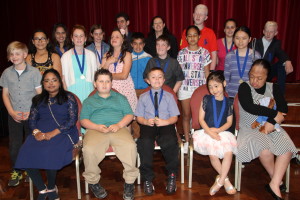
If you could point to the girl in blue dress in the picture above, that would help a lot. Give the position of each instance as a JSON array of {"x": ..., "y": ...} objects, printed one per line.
[
  {"x": 215, "y": 117},
  {"x": 52, "y": 120}
]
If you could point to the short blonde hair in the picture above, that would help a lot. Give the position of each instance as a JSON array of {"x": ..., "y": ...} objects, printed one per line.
[
  {"x": 201, "y": 7},
  {"x": 16, "y": 45},
  {"x": 271, "y": 23}
]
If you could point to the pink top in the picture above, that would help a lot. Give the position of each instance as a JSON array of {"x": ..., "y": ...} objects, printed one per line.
[{"x": 222, "y": 54}]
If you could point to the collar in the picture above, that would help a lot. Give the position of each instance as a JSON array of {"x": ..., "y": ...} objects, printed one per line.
[
  {"x": 135, "y": 53},
  {"x": 25, "y": 70},
  {"x": 266, "y": 41},
  {"x": 168, "y": 56},
  {"x": 154, "y": 90},
  {"x": 112, "y": 94}
]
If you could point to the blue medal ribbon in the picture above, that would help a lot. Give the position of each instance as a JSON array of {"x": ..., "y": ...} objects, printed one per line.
[
  {"x": 101, "y": 53},
  {"x": 217, "y": 120},
  {"x": 241, "y": 72},
  {"x": 152, "y": 99},
  {"x": 226, "y": 46},
  {"x": 165, "y": 67},
  {"x": 81, "y": 67},
  {"x": 57, "y": 48},
  {"x": 115, "y": 64}
]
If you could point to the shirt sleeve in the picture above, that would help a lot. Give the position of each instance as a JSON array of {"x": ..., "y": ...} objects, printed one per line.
[
  {"x": 207, "y": 58},
  {"x": 227, "y": 68},
  {"x": 3, "y": 80},
  {"x": 148, "y": 67},
  {"x": 126, "y": 108},
  {"x": 179, "y": 73},
  {"x": 73, "y": 114},
  {"x": 33, "y": 117},
  {"x": 172, "y": 106},
  {"x": 140, "y": 108},
  {"x": 37, "y": 79},
  {"x": 246, "y": 101},
  {"x": 86, "y": 110},
  {"x": 183, "y": 42},
  {"x": 213, "y": 42}
]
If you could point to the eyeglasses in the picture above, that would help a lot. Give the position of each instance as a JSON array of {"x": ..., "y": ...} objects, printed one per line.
[
  {"x": 50, "y": 81},
  {"x": 40, "y": 39}
]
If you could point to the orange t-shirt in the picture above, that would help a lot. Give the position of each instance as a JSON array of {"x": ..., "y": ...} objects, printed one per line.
[{"x": 208, "y": 40}]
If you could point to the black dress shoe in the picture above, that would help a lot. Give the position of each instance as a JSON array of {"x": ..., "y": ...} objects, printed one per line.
[
  {"x": 282, "y": 187},
  {"x": 268, "y": 188}
]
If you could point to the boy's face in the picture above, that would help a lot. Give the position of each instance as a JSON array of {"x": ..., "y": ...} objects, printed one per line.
[
  {"x": 200, "y": 15},
  {"x": 17, "y": 56},
  {"x": 270, "y": 32},
  {"x": 103, "y": 84},
  {"x": 162, "y": 48},
  {"x": 138, "y": 45},
  {"x": 122, "y": 23},
  {"x": 97, "y": 35},
  {"x": 156, "y": 79}
]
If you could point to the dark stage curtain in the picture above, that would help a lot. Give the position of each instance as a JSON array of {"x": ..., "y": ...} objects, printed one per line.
[{"x": 20, "y": 18}]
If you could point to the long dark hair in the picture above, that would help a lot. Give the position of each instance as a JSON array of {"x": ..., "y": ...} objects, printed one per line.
[
  {"x": 124, "y": 47},
  {"x": 152, "y": 31},
  {"x": 61, "y": 96},
  {"x": 32, "y": 48},
  {"x": 67, "y": 43}
]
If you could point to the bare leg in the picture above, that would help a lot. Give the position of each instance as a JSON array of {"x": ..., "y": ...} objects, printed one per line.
[
  {"x": 266, "y": 158},
  {"x": 186, "y": 117},
  {"x": 226, "y": 163},
  {"x": 281, "y": 165}
]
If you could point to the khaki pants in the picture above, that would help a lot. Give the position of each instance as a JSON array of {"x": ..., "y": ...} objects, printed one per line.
[{"x": 95, "y": 145}]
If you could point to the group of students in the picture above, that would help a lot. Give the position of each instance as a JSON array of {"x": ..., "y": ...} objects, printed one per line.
[{"x": 107, "y": 114}]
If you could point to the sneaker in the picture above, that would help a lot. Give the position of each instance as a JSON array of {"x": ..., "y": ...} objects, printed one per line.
[
  {"x": 15, "y": 178},
  {"x": 128, "y": 191},
  {"x": 148, "y": 188},
  {"x": 171, "y": 186},
  {"x": 185, "y": 147},
  {"x": 98, "y": 190},
  {"x": 53, "y": 193},
  {"x": 26, "y": 180}
]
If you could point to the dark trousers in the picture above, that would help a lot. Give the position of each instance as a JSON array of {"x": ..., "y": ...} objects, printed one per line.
[
  {"x": 278, "y": 70},
  {"x": 37, "y": 179},
  {"x": 166, "y": 138},
  {"x": 17, "y": 133}
]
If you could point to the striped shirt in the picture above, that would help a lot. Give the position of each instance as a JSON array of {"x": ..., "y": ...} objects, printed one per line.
[{"x": 231, "y": 71}]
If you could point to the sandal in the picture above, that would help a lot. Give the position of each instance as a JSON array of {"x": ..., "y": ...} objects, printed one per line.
[
  {"x": 53, "y": 194},
  {"x": 42, "y": 194},
  {"x": 230, "y": 189},
  {"x": 216, "y": 187}
]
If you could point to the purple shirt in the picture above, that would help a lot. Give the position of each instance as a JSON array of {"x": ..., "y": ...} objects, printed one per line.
[{"x": 166, "y": 109}]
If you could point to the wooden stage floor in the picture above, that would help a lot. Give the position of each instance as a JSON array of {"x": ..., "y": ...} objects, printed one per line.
[{"x": 253, "y": 180}]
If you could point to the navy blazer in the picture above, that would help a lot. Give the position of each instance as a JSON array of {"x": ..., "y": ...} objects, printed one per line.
[{"x": 274, "y": 50}]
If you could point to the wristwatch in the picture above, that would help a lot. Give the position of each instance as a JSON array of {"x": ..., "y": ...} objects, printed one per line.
[{"x": 35, "y": 131}]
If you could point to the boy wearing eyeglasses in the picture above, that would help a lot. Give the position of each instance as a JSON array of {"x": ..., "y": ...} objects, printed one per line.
[{"x": 20, "y": 83}]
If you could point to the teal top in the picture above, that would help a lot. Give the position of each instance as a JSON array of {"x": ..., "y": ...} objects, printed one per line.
[
  {"x": 106, "y": 111},
  {"x": 82, "y": 88}
]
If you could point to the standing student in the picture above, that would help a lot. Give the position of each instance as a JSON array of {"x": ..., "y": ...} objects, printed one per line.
[
  {"x": 269, "y": 47},
  {"x": 226, "y": 43},
  {"x": 98, "y": 46},
  {"x": 20, "y": 83},
  {"x": 123, "y": 22},
  {"x": 157, "y": 28},
  {"x": 41, "y": 53},
  {"x": 215, "y": 117},
  {"x": 194, "y": 61},
  {"x": 172, "y": 71},
  {"x": 118, "y": 61},
  {"x": 79, "y": 65},
  {"x": 208, "y": 38},
  {"x": 60, "y": 38},
  {"x": 157, "y": 113},
  {"x": 139, "y": 61},
  {"x": 239, "y": 61}
]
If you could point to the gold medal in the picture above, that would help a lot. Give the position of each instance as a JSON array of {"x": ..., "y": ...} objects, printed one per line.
[
  {"x": 241, "y": 81},
  {"x": 82, "y": 76}
]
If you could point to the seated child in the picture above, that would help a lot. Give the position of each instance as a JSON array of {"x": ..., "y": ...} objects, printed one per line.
[
  {"x": 105, "y": 115},
  {"x": 172, "y": 71},
  {"x": 215, "y": 117},
  {"x": 139, "y": 61},
  {"x": 157, "y": 113}
]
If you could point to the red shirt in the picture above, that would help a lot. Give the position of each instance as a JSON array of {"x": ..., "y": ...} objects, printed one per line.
[{"x": 208, "y": 40}]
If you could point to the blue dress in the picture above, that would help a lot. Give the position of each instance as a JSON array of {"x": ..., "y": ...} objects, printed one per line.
[{"x": 57, "y": 152}]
